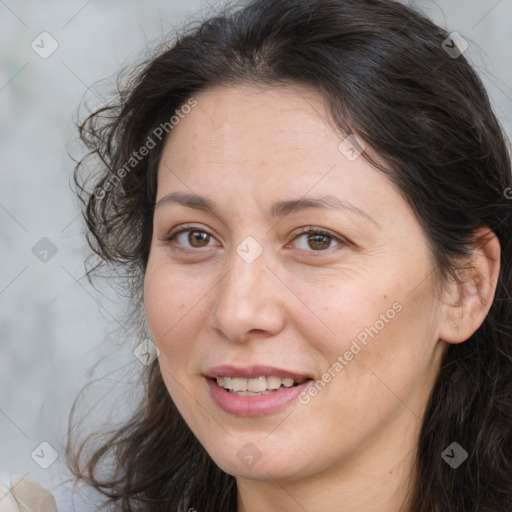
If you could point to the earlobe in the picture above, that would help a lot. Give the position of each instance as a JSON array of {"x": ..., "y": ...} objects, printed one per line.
[{"x": 468, "y": 301}]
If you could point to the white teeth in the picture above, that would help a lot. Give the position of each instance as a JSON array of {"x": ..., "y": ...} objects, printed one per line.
[
  {"x": 256, "y": 385},
  {"x": 273, "y": 382},
  {"x": 238, "y": 384},
  {"x": 287, "y": 382}
]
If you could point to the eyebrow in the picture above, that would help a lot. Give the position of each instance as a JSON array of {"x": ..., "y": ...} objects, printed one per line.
[{"x": 278, "y": 209}]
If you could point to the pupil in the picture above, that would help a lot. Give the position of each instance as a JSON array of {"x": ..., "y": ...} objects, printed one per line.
[
  {"x": 315, "y": 240},
  {"x": 197, "y": 236}
]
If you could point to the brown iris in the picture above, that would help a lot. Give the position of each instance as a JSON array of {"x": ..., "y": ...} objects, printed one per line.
[
  {"x": 314, "y": 238},
  {"x": 199, "y": 237}
]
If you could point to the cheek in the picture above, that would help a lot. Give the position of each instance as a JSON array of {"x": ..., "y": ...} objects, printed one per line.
[
  {"x": 159, "y": 302},
  {"x": 341, "y": 310},
  {"x": 168, "y": 305},
  {"x": 371, "y": 328},
  {"x": 387, "y": 356},
  {"x": 165, "y": 305}
]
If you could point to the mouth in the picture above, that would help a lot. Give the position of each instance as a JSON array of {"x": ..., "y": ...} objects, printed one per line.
[
  {"x": 254, "y": 391},
  {"x": 257, "y": 386}
]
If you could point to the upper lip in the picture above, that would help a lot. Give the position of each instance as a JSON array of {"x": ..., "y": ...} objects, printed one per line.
[{"x": 250, "y": 372}]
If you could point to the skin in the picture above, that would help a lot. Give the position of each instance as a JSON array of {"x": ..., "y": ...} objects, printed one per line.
[{"x": 297, "y": 306}]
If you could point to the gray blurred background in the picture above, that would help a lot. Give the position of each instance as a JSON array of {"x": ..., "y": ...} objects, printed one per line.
[{"x": 54, "y": 327}]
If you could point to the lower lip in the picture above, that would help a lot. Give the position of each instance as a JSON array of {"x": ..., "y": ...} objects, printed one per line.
[{"x": 254, "y": 405}]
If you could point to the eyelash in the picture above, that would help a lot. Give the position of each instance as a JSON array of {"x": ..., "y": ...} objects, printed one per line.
[{"x": 309, "y": 230}]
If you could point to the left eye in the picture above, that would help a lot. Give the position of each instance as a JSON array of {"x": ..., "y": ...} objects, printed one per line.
[{"x": 316, "y": 239}]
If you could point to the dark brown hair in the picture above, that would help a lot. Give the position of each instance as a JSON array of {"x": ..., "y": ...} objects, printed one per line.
[{"x": 385, "y": 76}]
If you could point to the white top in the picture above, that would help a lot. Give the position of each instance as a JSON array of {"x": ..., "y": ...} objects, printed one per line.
[
  {"x": 21, "y": 494},
  {"x": 18, "y": 494}
]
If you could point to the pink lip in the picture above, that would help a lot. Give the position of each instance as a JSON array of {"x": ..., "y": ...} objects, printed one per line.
[
  {"x": 252, "y": 371},
  {"x": 253, "y": 405}
]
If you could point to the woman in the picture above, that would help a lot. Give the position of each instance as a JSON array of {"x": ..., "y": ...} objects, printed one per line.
[{"x": 309, "y": 202}]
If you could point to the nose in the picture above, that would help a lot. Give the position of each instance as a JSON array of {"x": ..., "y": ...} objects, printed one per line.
[{"x": 249, "y": 301}]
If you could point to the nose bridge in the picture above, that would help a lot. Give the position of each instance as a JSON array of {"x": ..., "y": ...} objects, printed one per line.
[{"x": 247, "y": 296}]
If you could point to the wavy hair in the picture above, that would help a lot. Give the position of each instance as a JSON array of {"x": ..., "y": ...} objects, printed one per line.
[{"x": 385, "y": 76}]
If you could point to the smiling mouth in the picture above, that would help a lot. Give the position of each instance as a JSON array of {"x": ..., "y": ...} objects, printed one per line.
[{"x": 256, "y": 386}]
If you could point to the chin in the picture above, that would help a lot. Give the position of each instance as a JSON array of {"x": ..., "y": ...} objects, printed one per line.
[{"x": 246, "y": 459}]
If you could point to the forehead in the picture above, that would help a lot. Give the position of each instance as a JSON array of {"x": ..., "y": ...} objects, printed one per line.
[
  {"x": 234, "y": 122},
  {"x": 268, "y": 144},
  {"x": 245, "y": 129}
]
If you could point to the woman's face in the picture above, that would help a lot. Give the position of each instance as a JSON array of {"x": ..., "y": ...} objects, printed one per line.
[{"x": 245, "y": 295}]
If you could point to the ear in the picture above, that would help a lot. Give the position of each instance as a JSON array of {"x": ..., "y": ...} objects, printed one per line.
[{"x": 467, "y": 302}]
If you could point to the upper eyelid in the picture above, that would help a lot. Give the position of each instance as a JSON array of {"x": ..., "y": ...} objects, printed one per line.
[
  {"x": 301, "y": 231},
  {"x": 184, "y": 228}
]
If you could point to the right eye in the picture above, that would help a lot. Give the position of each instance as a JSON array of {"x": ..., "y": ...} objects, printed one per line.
[{"x": 196, "y": 238}]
